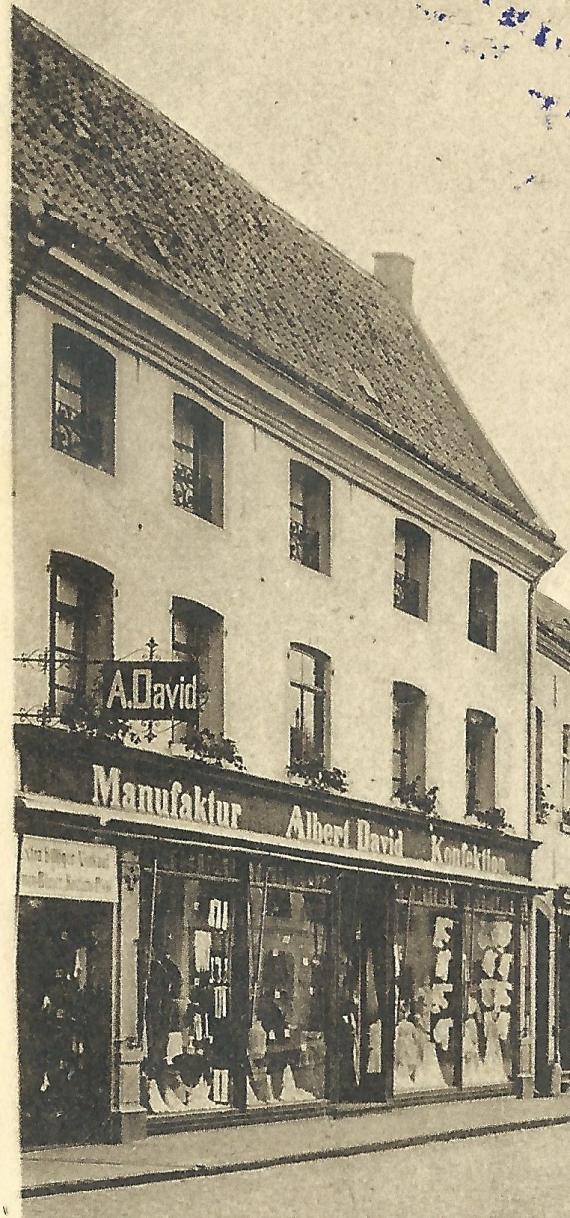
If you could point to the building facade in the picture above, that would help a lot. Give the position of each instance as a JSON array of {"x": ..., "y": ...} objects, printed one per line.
[
  {"x": 552, "y": 860},
  {"x": 237, "y": 451}
]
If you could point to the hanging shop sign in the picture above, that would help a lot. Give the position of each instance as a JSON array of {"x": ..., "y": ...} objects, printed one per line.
[
  {"x": 75, "y": 871},
  {"x": 135, "y": 787},
  {"x": 158, "y": 689}
]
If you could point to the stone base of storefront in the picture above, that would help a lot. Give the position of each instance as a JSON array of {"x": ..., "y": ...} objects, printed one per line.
[{"x": 128, "y": 1127}]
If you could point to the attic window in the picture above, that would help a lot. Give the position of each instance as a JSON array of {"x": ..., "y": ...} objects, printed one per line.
[{"x": 363, "y": 383}]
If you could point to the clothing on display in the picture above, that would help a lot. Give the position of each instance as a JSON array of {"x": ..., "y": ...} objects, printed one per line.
[
  {"x": 189, "y": 1035},
  {"x": 424, "y": 965},
  {"x": 487, "y": 1032},
  {"x": 287, "y": 1042}
]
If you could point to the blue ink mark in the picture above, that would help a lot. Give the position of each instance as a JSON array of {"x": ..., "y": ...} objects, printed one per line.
[
  {"x": 558, "y": 43},
  {"x": 508, "y": 17},
  {"x": 540, "y": 38},
  {"x": 522, "y": 15}
]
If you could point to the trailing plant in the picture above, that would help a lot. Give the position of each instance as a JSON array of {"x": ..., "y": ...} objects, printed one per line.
[
  {"x": 490, "y": 818},
  {"x": 543, "y": 807},
  {"x": 214, "y": 748},
  {"x": 565, "y": 820},
  {"x": 84, "y": 716},
  {"x": 316, "y": 775},
  {"x": 411, "y": 795}
]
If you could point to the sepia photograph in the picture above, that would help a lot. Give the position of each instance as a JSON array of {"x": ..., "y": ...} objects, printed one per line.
[{"x": 289, "y": 843}]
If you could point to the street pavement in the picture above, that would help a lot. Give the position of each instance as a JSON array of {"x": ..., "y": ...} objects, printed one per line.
[{"x": 525, "y": 1174}]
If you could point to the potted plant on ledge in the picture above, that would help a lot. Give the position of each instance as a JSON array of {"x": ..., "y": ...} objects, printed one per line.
[
  {"x": 313, "y": 773},
  {"x": 411, "y": 795},
  {"x": 490, "y": 818}
]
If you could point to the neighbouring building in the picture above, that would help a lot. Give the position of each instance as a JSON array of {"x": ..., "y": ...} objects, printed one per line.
[
  {"x": 552, "y": 825},
  {"x": 236, "y": 450}
]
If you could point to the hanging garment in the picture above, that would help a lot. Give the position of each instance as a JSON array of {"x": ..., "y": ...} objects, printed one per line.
[
  {"x": 442, "y": 931},
  {"x": 442, "y": 963},
  {"x": 290, "y": 1092},
  {"x": 488, "y": 961},
  {"x": 155, "y": 1100},
  {"x": 202, "y": 945}
]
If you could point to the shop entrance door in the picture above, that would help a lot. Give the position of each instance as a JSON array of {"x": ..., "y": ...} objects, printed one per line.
[
  {"x": 64, "y": 1020},
  {"x": 364, "y": 1009}
]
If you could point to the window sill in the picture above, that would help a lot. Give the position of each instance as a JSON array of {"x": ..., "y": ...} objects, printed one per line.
[
  {"x": 305, "y": 567},
  {"x": 418, "y": 617}
]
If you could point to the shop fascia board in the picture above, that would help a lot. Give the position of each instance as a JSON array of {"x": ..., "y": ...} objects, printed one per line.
[
  {"x": 242, "y": 782},
  {"x": 325, "y": 855},
  {"x": 319, "y": 432}
]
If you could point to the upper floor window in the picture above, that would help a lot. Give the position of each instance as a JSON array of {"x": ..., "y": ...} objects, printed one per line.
[
  {"x": 197, "y": 638},
  {"x": 408, "y": 739},
  {"x": 480, "y": 761},
  {"x": 198, "y": 462},
  {"x": 83, "y": 400},
  {"x": 411, "y": 569},
  {"x": 482, "y": 605},
  {"x": 81, "y": 628},
  {"x": 309, "y": 525},
  {"x": 308, "y": 704},
  {"x": 566, "y": 765},
  {"x": 538, "y": 758}
]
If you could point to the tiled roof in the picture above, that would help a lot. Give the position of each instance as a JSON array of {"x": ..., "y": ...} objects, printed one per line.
[
  {"x": 133, "y": 182},
  {"x": 554, "y": 619}
]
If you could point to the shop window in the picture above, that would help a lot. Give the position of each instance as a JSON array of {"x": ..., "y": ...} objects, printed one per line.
[
  {"x": 538, "y": 762},
  {"x": 565, "y": 765},
  {"x": 287, "y": 1043},
  {"x": 308, "y": 690},
  {"x": 197, "y": 638},
  {"x": 309, "y": 525},
  {"x": 411, "y": 569},
  {"x": 83, "y": 400},
  {"x": 198, "y": 463},
  {"x": 480, "y": 733},
  {"x": 408, "y": 739},
  {"x": 488, "y": 1033},
  {"x": 482, "y": 605},
  {"x": 190, "y": 1020},
  {"x": 427, "y": 953},
  {"x": 81, "y": 628}
]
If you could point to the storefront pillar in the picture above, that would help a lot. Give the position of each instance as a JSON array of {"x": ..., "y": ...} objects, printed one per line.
[
  {"x": 526, "y": 1004},
  {"x": 129, "y": 1117}
]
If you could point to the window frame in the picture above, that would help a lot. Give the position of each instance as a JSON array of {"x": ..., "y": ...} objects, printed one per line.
[
  {"x": 309, "y": 517},
  {"x": 97, "y": 404},
  {"x": 89, "y": 581},
  {"x": 409, "y": 707},
  {"x": 412, "y": 569},
  {"x": 478, "y": 719},
  {"x": 565, "y": 784},
  {"x": 319, "y": 692},
  {"x": 200, "y": 490},
  {"x": 483, "y": 603},
  {"x": 205, "y": 623}
]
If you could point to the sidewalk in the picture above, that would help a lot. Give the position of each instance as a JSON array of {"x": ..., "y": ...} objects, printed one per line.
[{"x": 179, "y": 1156}]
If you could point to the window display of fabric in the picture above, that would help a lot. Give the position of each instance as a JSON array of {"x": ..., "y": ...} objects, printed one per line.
[
  {"x": 487, "y": 1031},
  {"x": 188, "y": 1016},
  {"x": 425, "y": 973},
  {"x": 287, "y": 1042}
]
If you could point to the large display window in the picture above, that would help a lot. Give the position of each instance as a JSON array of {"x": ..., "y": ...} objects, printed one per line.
[
  {"x": 290, "y": 985},
  {"x": 490, "y": 992},
  {"x": 187, "y": 985},
  {"x": 427, "y": 957}
]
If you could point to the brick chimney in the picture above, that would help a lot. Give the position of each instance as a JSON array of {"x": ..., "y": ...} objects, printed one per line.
[{"x": 396, "y": 272}]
